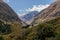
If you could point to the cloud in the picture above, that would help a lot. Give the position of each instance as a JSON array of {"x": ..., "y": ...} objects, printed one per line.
[
  {"x": 21, "y": 14},
  {"x": 34, "y": 8},
  {"x": 37, "y": 8}
]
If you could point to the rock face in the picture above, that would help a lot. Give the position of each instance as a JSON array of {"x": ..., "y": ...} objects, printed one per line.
[{"x": 6, "y": 12}]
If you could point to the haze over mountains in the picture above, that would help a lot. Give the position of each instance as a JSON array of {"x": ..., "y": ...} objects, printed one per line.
[
  {"x": 47, "y": 14},
  {"x": 47, "y": 28},
  {"x": 32, "y": 17},
  {"x": 29, "y": 16}
]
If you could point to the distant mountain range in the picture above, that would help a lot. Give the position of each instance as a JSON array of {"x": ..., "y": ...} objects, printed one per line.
[{"x": 29, "y": 16}]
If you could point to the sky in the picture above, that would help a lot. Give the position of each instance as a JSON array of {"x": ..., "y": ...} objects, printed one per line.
[{"x": 22, "y": 7}]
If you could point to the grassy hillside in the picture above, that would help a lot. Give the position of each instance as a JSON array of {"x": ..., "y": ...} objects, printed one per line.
[
  {"x": 11, "y": 31},
  {"x": 45, "y": 31}
]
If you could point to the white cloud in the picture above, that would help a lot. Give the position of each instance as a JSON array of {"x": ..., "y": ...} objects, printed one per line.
[
  {"x": 21, "y": 14},
  {"x": 34, "y": 8},
  {"x": 37, "y": 7}
]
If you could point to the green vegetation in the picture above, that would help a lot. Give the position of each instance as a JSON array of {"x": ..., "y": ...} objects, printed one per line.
[
  {"x": 5, "y": 28},
  {"x": 46, "y": 31},
  {"x": 11, "y": 30},
  {"x": 41, "y": 32}
]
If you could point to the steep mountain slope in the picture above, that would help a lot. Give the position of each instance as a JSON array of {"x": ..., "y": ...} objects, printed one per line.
[
  {"x": 49, "y": 24},
  {"x": 49, "y": 13},
  {"x": 10, "y": 24},
  {"x": 52, "y": 11},
  {"x": 49, "y": 30},
  {"x": 6, "y": 13}
]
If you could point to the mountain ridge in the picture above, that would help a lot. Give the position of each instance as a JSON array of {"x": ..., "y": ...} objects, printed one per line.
[
  {"x": 6, "y": 13},
  {"x": 49, "y": 13}
]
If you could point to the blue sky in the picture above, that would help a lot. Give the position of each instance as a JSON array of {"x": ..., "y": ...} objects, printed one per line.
[{"x": 22, "y": 6}]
